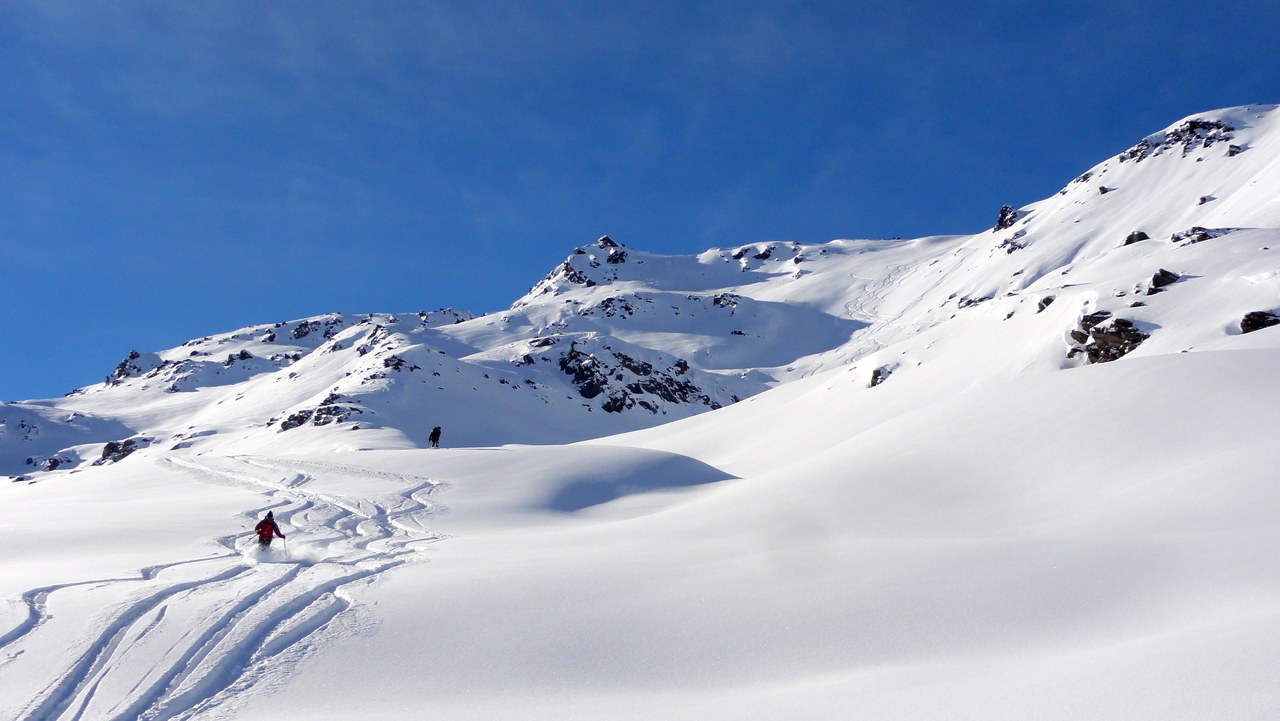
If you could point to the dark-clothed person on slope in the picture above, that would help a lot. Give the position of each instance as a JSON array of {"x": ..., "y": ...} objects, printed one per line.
[{"x": 266, "y": 529}]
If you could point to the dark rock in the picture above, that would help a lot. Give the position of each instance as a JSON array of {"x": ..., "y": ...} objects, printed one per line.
[
  {"x": 607, "y": 375},
  {"x": 1090, "y": 320},
  {"x": 329, "y": 326},
  {"x": 614, "y": 306},
  {"x": 573, "y": 275},
  {"x": 1006, "y": 218},
  {"x": 1136, "y": 237},
  {"x": 1196, "y": 234},
  {"x": 638, "y": 367},
  {"x": 1191, "y": 134},
  {"x": 615, "y": 403},
  {"x": 617, "y": 255},
  {"x": 1161, "y": 279},
  {"x": 1103, "y": 339},
  {"x": 328, "y": 412},
  {"x": 1233, "y": 150},
  {"x": 1045, "y": 302},
  {"x": 296, "y": 419},
  {"x": 880, "y": 375},
  {"x": 725, "y": 300},
  {"x": 1103, "y": 190},
  {"x": 325, "y": 415},
  {"x": 126, "y": 367},
  {"x": 1014, "y": 243},
  {"x": 606, "y": 242},
  {"x": 116, "y": 451},
  {"x": 1258, "y": 319},
  {"x": 584, "y": 370},
  {"x": 52, "y": 463}
]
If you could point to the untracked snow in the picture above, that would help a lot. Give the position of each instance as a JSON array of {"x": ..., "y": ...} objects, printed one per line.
[{"x": 1027, "y": 473}]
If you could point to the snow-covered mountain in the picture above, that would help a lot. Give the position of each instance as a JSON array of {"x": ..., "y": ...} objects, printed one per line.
[
  {"x": 615, "y": 339},
  {"x": 901, "y": 478}
]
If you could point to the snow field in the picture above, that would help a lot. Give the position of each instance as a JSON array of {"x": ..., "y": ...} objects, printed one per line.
[{"x": 992, "y": 529}]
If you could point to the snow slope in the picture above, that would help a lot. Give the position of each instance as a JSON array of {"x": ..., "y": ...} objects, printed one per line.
[{"x": 1018, "y": 474}]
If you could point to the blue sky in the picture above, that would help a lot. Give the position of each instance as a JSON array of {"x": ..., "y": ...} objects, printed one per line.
[{"x": 170, "y": 170}]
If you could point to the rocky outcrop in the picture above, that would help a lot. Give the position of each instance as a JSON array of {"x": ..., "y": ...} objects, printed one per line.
[
  {"x": 572, "y": 272},
  {"x": 752, "y": 257},
  {"x": 1014, "y": 242},
  {"x": 116, "y": 451},
  {"x": 969, "y": 302},
  {"x": 1007, "y": 217},
  {"x": 1103, "y": 338},
  {"x": 1113, "y": 340},
  {"x": 1161, "y": 279},
  {"x": 880, "y": 375},
  {"x": 613, "y": 306},
  {"x": 1259, "y": 319},
  {"x": 1196, "y": 234},
  {"x": 330, "y": 410},
  {"x": 328, "y": 326},
  {"x": 444, "y": 317},
  {"x": 726, "y": 300},
  {"x": 1136, "y": 236},
  {"x": 52, "y": 463},
  {"x": 127, "y": 367},
  {"x": 566, "y": 273},
  {"x": 585, "y": 371},
  {"x": 1086, "y": 324},
  {"x": 321, "y": 416},
  {"x": 628, "y": 383},
  {"x": 243, "y": 355},
  {"x": 1190, "y": 135},
  {"x": 396, "y": 363}
]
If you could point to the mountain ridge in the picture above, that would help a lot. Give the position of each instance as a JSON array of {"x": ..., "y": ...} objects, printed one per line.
[{"x": 615, "y": 339}]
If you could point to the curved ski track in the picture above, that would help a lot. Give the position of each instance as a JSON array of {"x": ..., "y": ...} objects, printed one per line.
[{"x": 192, "y": 636}]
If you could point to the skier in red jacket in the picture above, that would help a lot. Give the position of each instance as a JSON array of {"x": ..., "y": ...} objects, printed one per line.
[{"x": 266, "y": 528}]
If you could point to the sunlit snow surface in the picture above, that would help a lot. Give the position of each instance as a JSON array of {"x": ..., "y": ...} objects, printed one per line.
[{"x": 995, "y": 531}]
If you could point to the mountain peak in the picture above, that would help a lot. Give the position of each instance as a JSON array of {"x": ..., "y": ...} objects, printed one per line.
[{"x": 1195, "y": 134}]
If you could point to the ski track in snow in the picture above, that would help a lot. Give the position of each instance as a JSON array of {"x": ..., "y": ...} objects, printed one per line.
[
  {"x": 187, "y": 644},
  {"x": 863, "y": 308}
]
